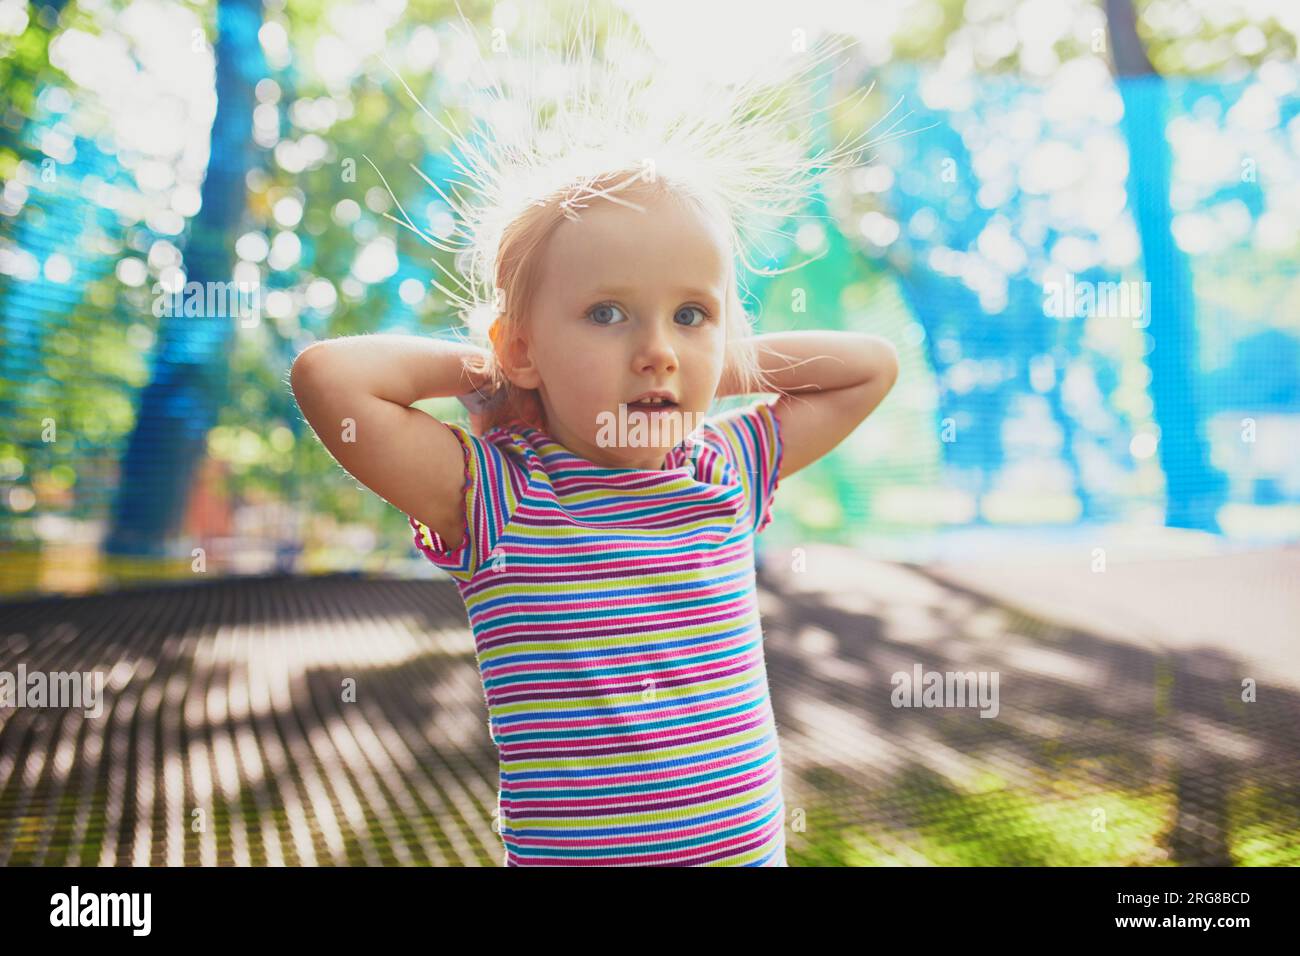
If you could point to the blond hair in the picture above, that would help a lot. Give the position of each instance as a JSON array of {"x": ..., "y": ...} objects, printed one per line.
[{"x": 621, "y": 129}]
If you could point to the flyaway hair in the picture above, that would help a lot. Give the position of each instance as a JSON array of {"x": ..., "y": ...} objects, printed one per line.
[{"x": 553, "y": 135}]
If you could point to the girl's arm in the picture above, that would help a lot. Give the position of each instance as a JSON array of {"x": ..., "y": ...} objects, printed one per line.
[
  {"x": 836, "y": 379},
  {"x": 355, "y": 393}
]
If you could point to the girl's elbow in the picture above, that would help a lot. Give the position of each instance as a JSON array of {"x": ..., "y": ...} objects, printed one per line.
[
  {"x": 305, "y": 368},
  {"x": 884, "y": 374},
  {"x": 885, "y": 361}
]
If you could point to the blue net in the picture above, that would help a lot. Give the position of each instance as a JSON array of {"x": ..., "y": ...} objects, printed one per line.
[{"x": 1089, "y": 284}]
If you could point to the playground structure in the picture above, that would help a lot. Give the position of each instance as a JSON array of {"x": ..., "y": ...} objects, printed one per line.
[{"x": 228, "y": 737}]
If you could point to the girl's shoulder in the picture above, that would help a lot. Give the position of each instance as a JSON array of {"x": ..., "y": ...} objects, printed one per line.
[
  {"x": 748, "y": 435},
  {"x": 747, "y": 439},
  {"x": 517, "y": 445}
]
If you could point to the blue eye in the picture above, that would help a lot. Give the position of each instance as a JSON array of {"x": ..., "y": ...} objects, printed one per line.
[
  {"x": 704, "y": 316},
  {"x": 601, "y": 309},
  {"x": 603, "y": 314}
]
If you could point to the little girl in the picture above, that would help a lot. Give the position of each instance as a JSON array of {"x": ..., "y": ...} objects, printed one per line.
[{"x": 608, "y": 571}]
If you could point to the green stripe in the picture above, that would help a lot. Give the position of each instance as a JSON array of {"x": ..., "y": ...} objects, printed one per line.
[
  {"x": 606, "y": 643},
  {"x": 617, "y": 760},
  {"x": 674, "y": 815},
  {"x": 703, "y": 575},
  {"x": 538, "y": 707}
]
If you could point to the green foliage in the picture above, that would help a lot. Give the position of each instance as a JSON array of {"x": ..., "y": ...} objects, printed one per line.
[{"x": 96, "y": 357}]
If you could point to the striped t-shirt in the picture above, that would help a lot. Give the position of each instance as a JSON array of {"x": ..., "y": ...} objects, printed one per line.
[{"x": 617, "y": 634}]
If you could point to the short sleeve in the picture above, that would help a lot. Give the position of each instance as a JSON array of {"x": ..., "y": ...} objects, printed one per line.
[
  {"x": 751, "y": 440},
  {"x": 494, "y": 483}
]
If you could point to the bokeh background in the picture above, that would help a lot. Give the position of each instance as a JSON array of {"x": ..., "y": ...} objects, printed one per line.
[{"x": 1103, "y": 507}]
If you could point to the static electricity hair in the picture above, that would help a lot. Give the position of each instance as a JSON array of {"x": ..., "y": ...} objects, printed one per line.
[{"x": 612, "y": 128}]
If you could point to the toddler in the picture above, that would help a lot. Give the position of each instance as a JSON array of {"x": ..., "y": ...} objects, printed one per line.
[{"x": 598, "y": 523}]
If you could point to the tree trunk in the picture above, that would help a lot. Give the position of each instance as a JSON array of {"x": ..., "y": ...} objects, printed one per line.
[
  {"x": 1194, "y": 489},
  {"x": 190, "y": 371}
]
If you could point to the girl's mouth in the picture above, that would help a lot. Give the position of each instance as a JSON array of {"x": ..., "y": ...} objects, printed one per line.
[{"x": 652, "y": 407}]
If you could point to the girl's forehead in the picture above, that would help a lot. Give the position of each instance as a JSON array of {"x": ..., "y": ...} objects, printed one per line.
[{"x": 664, "y": 233}]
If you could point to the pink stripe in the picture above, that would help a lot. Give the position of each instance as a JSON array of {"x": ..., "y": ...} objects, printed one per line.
[
  {"x": 518, "y": 790},
  {"x": 627, "y": 657},
  {"x": 611, "y": 604},
  {"x": 638, "y": 737},
  {"x": 578, "y": 843},
  {"x": 678, "y": 857},
  {"x": 532, "y": 631},
  {"x": 578, "y": 695}
]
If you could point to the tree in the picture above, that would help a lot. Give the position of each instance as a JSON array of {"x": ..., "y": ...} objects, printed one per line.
[
  {"x": 1194, "y": 490},
  {"x": 190, "y": 361}
]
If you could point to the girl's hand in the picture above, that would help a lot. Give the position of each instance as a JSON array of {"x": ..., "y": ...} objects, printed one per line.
[{"x": 479, "y": 406}]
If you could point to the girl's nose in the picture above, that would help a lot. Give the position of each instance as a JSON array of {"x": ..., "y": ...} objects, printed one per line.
[{"x": 656, "y": 352}]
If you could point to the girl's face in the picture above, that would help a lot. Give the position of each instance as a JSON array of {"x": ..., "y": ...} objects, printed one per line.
[{"x": 627, "y": 302}]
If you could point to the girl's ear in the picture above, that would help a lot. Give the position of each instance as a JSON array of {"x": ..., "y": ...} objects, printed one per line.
[
  {"x": 511, "y": 353},
  {"x": 519, "y": 366},
  {"x": 521, "y": 371}
]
